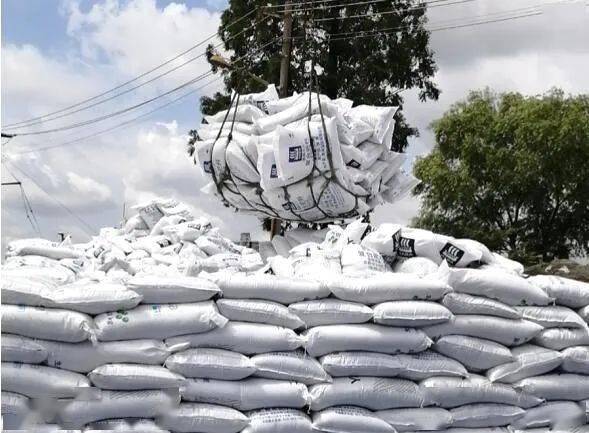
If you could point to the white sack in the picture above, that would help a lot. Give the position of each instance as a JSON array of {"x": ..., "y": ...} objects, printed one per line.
[
  {"x": 331, "y": 312},
  {"x": 15, "y": 409},
  {"x": 158, "y": 321},
  {"x": 118, "y": 404},
  {"x": 413, "y": 419},
  {"x": 561, "y": 338},
  {"x": 384, "y": 240},
  {"x": 124, "y": 424},
  {"x": 461, "y": 303},
  {"x": 410, "y": 314},
  {"x": 170, "y": 290},
  {"x": 449, "y": 392},
  {"x": 571, "y": 293},
  {"x": 584, "y": 313},
  {"x": 41, "y": 247},
  {"x": 505, "y": 331},
  {"x": 281, "y": 420},
  {"x": 207, "y": 418},
  {"x": 362, "y": 364},
  {"x": 92, "y": 298},
  {"x": 16, "y": 348},
  {"x": 359, "y": 259},
  {"x": 575, "y": 360},
  {"x": 350, "y": 419},
  {"x": 38, "y": 381},
  {"x": 259, "y": 311},
  {"x": 244, "y": 113},
  {"x": 529, "y": 361},
  {"x": 380, "y": 118},
  {"x": 128, "y": 377},
  {"x": 296, "y": 159},
  {"x": 556, "y": 386},
  {"x": 211, "y": 364},
  {"x": 475, "y": 353},
  {"x": 296, "y": 366},
  {"x": 375, "y": 393},
  {"x": 85, "y": 357},
  {"x": 388, "y": 287},
  {"x": 261, "y": 99},
  {"x": 553, "y": 317},
  {"x": 269, "y": 287},
  {"x": 322, "y": 200},
  {"x": 427, "y": 364},
  {"x": 243, "y": 337},
  {"x": 49, "y": 324},
  {"x": 20, "y": 290},
  {"x": 436, "y": 247},
  {"x": 553, "y": 414},
  {"x": 247, "y": 394},
  {"x": 419, "y": 266},
  {"x": 485, "y": 415},
  {"x": 507, "y": 288},
  {"x": 372, "y": 338}
]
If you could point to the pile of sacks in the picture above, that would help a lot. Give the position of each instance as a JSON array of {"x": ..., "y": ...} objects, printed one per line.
[
  {"x": 301, "y": 158},
  {"x": 372, "y": 330}
]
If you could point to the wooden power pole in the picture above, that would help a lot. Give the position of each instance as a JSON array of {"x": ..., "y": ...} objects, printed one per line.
[
  {"x": 283, "y": 86},
  {"x": 286, "y": 48}
]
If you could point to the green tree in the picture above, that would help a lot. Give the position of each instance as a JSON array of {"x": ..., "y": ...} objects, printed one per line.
[
  {"x": 511, "y": 171},
  {"x": 369, "y": 68}
]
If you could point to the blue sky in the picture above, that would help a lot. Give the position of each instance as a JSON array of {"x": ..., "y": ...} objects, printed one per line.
[{"x": 55, "y": 53}]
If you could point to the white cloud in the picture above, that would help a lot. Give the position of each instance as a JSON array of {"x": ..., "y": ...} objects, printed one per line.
[{"x": 90, "y": 188}]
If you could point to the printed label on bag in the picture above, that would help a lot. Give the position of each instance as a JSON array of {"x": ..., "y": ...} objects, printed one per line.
[
  {"x": 406, "y": 247},
  {"x": 451, "y": 254},
  {"x": 273, "y": 172},
  {"x": 295, "y": 154}
]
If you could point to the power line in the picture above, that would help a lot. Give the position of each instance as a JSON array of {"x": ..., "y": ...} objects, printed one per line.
[
  {"x": 29, "y": 213},
  {"x": 379, "y": 32},
  {"x": 208, "y": 38},
  {"x": 130, "y": 121},
  {"x": 116, "y": 95},
  {"x": 394, "y": 11},
  {"x": 323, "y": 6},
  {"x": 133, "y": 107},
  {"x": 87, "y": 228},
  {"x": 120, "y": 125}
]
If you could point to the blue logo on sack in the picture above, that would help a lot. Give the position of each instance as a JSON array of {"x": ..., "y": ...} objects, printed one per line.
[
  {"x": 295, "y": 153},
  {"x": 273, "y": 171}
]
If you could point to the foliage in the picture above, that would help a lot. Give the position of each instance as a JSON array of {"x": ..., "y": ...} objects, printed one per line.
[
  {"x": 368, "y": 70},
  {"x": 511, "y": 171}
]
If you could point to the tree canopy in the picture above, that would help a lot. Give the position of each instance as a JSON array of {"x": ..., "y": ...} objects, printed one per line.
[
  {"x": 392, "y": 54},
  {"x": 511, "y": 171}
]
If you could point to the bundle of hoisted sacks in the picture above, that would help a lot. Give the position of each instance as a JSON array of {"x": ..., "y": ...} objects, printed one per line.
[
  {"x": 301, "y": 158},
  {"x": 165, "y": 325}
]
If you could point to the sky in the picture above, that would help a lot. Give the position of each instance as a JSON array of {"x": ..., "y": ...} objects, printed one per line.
[{"x": 56, "y": 53}]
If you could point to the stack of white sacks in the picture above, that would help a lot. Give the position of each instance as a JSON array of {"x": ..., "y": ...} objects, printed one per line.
[
  {"x": 269, "y": 167},
  {"x": 165, "y": 325}
]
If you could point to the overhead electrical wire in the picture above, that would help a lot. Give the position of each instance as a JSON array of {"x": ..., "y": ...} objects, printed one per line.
[
  {"x": 449, "y": 26},
  {"x": 29, "y": 213},
  {"x": 106, "y": 92},
  {"x": 395, "y": 11},
  {"x": 49, "y": 118},
  {"x": 130, "y": 108},
  {"x": 87, "y": 228},
  {"x": 130, "y": 121}
]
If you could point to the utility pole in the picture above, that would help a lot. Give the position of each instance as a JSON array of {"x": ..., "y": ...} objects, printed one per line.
[
  {"x": 283, "y": 86},
  {"x": 286, "y": 48}
]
